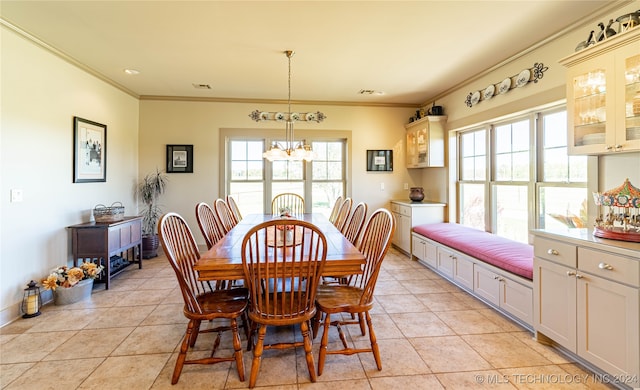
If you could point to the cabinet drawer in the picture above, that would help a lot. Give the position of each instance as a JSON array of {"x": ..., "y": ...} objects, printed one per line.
[
  {"x": 395, "y": 208},
  {"x": 607, "y": 265},
  {"x": 556, "y": 251},
  {"x": 401, "y": 209}
]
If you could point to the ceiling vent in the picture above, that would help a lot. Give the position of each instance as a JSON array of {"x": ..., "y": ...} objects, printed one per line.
[
  {"x": 201, "y": 86},
  {"x": 370, "y": 92}
]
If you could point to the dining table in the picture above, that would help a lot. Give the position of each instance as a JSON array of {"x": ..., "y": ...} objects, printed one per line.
[{"x": 223, "y": 261}]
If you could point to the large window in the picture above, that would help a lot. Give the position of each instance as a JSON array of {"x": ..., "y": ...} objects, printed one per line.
[
  {"x": 516, "y": 175},
  {"x": 253, "y": 181}
]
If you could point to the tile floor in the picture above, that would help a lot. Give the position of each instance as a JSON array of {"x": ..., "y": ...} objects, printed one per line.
[{"x": 432, "y": 335}]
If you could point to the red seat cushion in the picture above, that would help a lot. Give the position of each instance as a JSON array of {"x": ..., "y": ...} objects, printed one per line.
[{"x": 501, "y": 252}]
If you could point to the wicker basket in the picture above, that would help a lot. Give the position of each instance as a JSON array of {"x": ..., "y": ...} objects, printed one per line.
[{"x": 114, "y": 213}]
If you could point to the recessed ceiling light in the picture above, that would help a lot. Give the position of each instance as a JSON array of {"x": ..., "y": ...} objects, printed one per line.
[
  {"x": 131, "y": 71},
  {"x": 201, "y": 86}
]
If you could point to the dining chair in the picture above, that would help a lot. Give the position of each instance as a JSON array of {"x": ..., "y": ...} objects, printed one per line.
[
  {"x": 355, "y": 298},
  {"x": 343, "y": 213},
  {"x": 200, "y": 305},
  {"x": 352, "y": 229},
  {"x": 209, "y": 224},
  {"x": 293, "y": 202},
  {"x": 225, "y": 215},
  {"x": 235, "y": 210},
  {"x": 335, "y": 209},
  {"x": 282, "y": 274}
]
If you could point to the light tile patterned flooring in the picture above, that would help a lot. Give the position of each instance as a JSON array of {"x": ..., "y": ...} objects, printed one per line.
[{"x": 432, "y": 335}]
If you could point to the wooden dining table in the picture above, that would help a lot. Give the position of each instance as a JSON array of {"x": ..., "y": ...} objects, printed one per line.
[{"x": 224, "y": 260}]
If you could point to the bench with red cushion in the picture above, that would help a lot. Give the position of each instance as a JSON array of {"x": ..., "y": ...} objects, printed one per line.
[{"x": 500, "y": 252}]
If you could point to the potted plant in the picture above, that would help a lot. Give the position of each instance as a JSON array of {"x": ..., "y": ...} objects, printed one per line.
[
  {"x": 71, "y": 285},
  {"x": 149, "y": 190}
]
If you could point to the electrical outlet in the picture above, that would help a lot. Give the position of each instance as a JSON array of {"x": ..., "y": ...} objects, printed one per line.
[
  {"x": 406, "y": 186},
  {"x": 381, "y": 186},
  {"x": 16, "y": 195}
]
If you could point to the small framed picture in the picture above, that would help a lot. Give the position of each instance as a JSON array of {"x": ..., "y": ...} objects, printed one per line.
[
  {"x": 380, "y": 160},
  {"x": 179, "y": 158},
  {"x": 89, "y": 151}
]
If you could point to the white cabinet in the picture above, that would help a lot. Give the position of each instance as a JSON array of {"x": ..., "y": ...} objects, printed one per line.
[
  {"x": 425, "y": 142},
  {"x": 410, "y": 214},
  {"x": 587, "y": 299},
  {"x": 603, "y": 96},
  {"x": 509, "y": 295},
  {"x": 424, "y": 250}
]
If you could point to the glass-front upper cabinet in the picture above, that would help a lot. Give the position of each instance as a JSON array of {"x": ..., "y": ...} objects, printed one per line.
[
  {"x": 425, "y": 142},
  {"x": 603, "y": 82}
]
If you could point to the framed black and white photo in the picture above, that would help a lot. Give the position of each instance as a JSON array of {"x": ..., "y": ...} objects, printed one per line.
[
  {"x": 380, "y": 160},
  {"x": 179, "y": 158},
  {"x": 89, "y": 151}
]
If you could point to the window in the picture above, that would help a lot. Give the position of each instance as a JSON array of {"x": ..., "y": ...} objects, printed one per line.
[
  {"x": 253, "y": 182},
  {"x": 531, "y": 181}
]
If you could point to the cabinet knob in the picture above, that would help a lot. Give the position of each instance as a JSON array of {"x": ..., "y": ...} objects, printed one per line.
[
  {"x": 605, "y": 266},
  {"x": 571, "y": 273},
  {"x": 578, "y": 276},
  {"x": 553, "y": 252},
  {"x": 497, "y": 277},
  {"x": 608, "y": 148},
  {"x": 618, "y": 147}
]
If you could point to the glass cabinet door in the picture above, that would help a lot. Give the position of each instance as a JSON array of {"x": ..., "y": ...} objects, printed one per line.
[
  {"x": 590, "y": 108},
  {"x": 632, "y": 98}
]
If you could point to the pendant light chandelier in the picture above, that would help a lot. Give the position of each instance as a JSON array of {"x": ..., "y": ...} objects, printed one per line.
[{"x": 291, "y": 150}]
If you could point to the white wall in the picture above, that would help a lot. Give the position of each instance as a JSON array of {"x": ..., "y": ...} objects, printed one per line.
[
  {"x": 41, "y": 94},
  {"x": 198, "y": 123}
]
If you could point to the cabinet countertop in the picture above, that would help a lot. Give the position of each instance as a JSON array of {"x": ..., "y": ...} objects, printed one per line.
[
  {"x": 424, "y": 203},
  {"x": 585, "y": 237}
]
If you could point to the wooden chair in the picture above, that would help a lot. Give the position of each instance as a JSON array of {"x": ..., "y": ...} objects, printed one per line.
[
  {"x": 352, "y": 229},
  {"x": 336, "y": 208},
  {"x": 291, "y": 201},
  {"x": 235, "y": 210},
  {"x": 357, "y": 296},
  {"x": 200, "y": 305},
  {"x": 209, "y": 224},
  {"x": 343, "y": 214},
  {"x": 282, "y": 278},
  {"x": 225, "y": 215}
]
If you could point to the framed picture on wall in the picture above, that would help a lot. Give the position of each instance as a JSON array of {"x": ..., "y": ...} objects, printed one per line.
[
  {"x": 380, "y": 160},
  {"x": 89, "y": 151},
  {"x": 179, "y": 158}
]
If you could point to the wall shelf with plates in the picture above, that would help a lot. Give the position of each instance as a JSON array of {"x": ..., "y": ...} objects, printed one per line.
[{"x": 519, "y": 80}]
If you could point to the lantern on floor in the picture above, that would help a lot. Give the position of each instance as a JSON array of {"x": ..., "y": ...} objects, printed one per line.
[{"x": 32, "y": 301}]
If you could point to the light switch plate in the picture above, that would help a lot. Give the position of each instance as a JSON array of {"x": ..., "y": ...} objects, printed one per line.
[{"x": 16, "y": 195}]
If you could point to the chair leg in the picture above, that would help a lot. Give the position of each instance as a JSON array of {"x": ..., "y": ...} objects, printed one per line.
[
  {"x": 237, "y": 346},
  {"x": 315, "y": 324},
  {"x": 182, "y": 356},
  {"x": 323, "y": 344},
  {"x": 374, "y": 342},
  {"x": 362, "y": 324},
  {"x": 304, "y": 329},
  {"x": 257, "y": 356},
  {"x": 194, "y": 335}
]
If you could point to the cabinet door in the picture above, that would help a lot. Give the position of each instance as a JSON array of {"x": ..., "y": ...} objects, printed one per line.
[
  {"x": 555, "y": 302},
  {"x": 397, "y": 235},
  {"x": 445, "y": 262},
  {"x": 608, "y": 325},
  {"x": 431, "y": 254},
  {"x": 628, "y": 77},
  {"x": 463, "y": 271},
  {"x": 486, "y": 284},
  {"x": 418, "y": 247},
  {"x": 517, "y": 299}
]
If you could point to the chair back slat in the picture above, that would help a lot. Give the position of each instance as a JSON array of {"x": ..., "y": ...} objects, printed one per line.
[
  {"x": 235, "y": 210},
  {"x": 225, "y": 216},
  {"x": 343, "y": 214},
  {"x": 182, "y": 252},
  {"x": 288, "y": 200},
  {"x": 336, "y": 208},
  {"x": 352, "y": 229},
  {"x": 374, "y": 243},
  {"x": 209, "y": 224},
  {"x": 282, "y": 272}
]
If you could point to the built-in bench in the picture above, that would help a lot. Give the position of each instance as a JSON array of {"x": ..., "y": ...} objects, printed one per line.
[{"x": 494, "y": 269}]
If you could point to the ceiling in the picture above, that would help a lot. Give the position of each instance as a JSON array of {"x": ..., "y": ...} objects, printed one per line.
[{"x": 410, "y": 51}]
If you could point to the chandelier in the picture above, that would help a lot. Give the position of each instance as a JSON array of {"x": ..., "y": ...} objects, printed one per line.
[{"x": 291, "y": 150}]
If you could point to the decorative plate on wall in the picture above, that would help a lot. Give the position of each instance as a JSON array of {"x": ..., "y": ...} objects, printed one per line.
[
  {"x": 475, "y": 97},
  {"x": 523, "y": 78},
  {"x": 489, "y": 92},
  {"x": 505, "y": 86}
]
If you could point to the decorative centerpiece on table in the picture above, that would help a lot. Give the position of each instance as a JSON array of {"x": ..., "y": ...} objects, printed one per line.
[
  {"x": 71, "y": 285},
  {"x": 621, "y": 218}
]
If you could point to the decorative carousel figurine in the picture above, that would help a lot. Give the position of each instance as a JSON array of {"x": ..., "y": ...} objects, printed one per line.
[{"x": 621, "y": 219}]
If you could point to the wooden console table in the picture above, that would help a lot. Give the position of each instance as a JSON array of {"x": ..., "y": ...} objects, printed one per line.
[{"x": 100, "y": 242}]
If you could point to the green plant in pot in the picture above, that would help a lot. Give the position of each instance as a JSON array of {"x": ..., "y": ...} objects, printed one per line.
[{"x": 149, "y": 190}]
